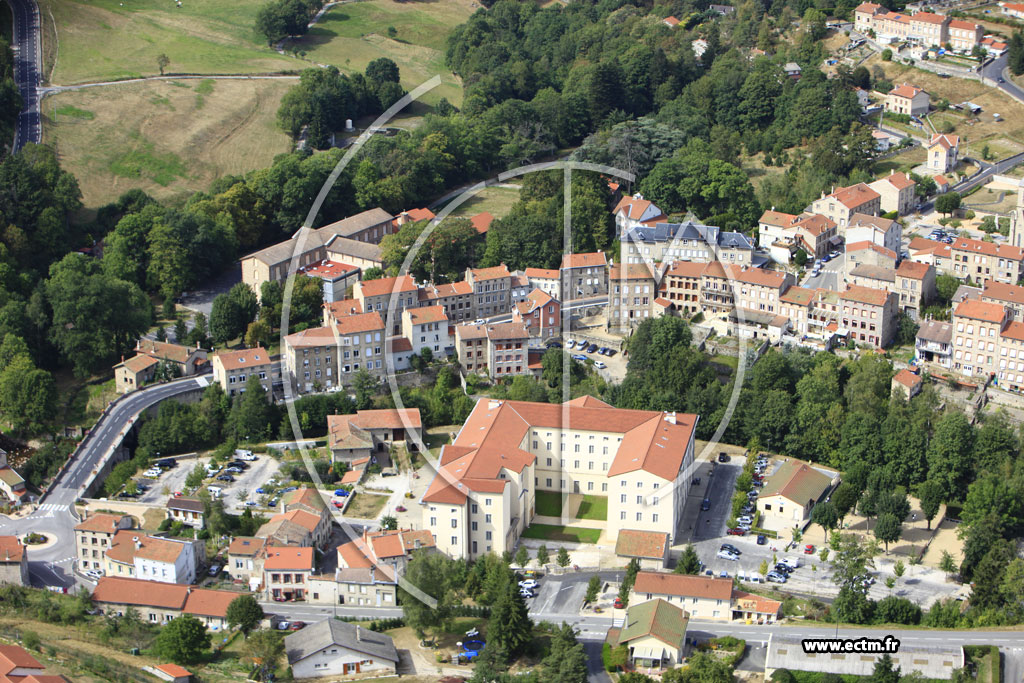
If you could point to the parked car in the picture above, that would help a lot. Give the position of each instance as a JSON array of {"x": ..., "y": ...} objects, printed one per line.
[
  {"x": 94, "y": 574},
  {"x": 339, "y": 504},
  {"x": 599, "y": 365},
  {"x": 234, "y": 470},
  {"x": 554, "y": 345},
  {"x": 580, "y": 357},
  {"x": 592, "y": 348},
  {"x": 215, "y": 490},
  {"x": 526, "y": 592},
  {"x": 297, "y": 626},
  {"x": 762, "y": 539},
  {"x": 528, "y": 583},
  {"x": 808, "y": 549},
  {"x": 251, "y": 503},
  {"x": 783, "y": 569},
  {"x": 731, "y": 548},
  {"x": 745, "y": 519},
  {"x": 723, "y": 457},
  {"x": 792, "y": 562},
  {"x": 341, "y": 493},
  {"x": 736, "y": 531},
  {"x": 775, "y": 577},
  {"x": 243, "y": 454},
  {"x": 225, "y": 477},
  {"x": 389, "y": 472},
  {"x": 400, "y": 508},
  {"x": 214, "y": 570},
  {"x": 283, "y": 625},
  {"x": 705, "y": 504},
  {"x": 570, "y": 344},
  {"x": 272, "y": 503},
  {"x": 726, "y": 555}
]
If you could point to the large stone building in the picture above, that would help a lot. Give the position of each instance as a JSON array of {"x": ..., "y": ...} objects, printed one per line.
[
  {"x": 94, "y": 535},
  {"x": 483, "y": 495},
  {"x": 842, "y": 204},
  {"x": 897, "y": 193},
  {"x": 689, "y": 241},
  {"x": 325, "y": 357},
  {"x": 232, "y": 369}
]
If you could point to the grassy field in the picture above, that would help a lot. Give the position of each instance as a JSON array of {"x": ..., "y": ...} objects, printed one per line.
[
  {"x": 593, "y": 507},
  {"x": 495, "y": 200},
  {"x": 562, "y": 533},
  {"x": 351, "y": 36},
  {"x": 549, "y": 503},
  {"x": 149, "y": 136},
  {"x": 110, "y": 39},
  {"x": 957, "y": 90},
  {"x": 366, "y": 506}
]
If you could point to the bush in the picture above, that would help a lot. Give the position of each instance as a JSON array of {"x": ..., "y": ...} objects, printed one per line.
[
  {"x": 30, "y": 640},
  {"x": 886, "y": 57}
]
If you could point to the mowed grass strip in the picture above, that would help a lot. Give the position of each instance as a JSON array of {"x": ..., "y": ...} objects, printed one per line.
[
  {"x": 564, "y": 534},
  {"x": 549, "y": 503},
  {"x": 352, "y": 35},
  {"x": 366, "y": 506},
  {"x": 114, "y": 39},
  {"x": 593, "y": 507},
  {"x": 149, "y": 136}
]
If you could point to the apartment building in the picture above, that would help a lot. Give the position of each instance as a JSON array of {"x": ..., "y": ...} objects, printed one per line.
[
  {"x": 876, "y": 230},
  {"x": 133, "y": 373},
  {"x": 872, "y": 276},
  {"x": 456, "y": 298},
  {"x": 336, "y": 277},
  {"x": 977, "y": 330},
  {"x": 759, "y": 290},
  {"x": 869, "y": 315},
  {"x": 681, "y": 286},
  {"x": 783, "y": 233},
  {"x": 897, "y": 193},
  {"x": 635, "y": 211},
  {"x": 232, "y": 369},
  {"x": 286, "y": 573},
  {"x": 548, "y": 280},
  {"x": 491, "y": 290},
  {"x": 376, "y": 295},
  {"x": 923, "y": 28},
  {"x": 632, "y": 290},
  {"x": 866, "y": 253},
  {"x": 541, "y": 314},
  {"x": 795, "y": 304},
  {"x": 934, "y": 343},
  {"x": 1008, "y": 296},
  {"x": 133, "y": 554},
  {"x": 716, "y": 295},
  {"x": 583, "y": 275},
  {"x": 389, "y": 550},
  {"x": 908, "y": 100},
  {"x": 496, "y": 350},
  {"x": 965, "y": 35},
  {"x": 984, "y": 261},
  {"x": 310, "y": 247},
  {"x": 354, "y": 586},
  {"x": 689, "y": 241},
  {"x": 1014, "y": 9},
  {"x": 915, "y": 285},
  {"x": 704, "y": 597},
  {"x": 943, "y": 153},
  {"x": 932, "y": 252},
  {"x": 325, "y": 357},
  {"x": 159, "y": 603},
  {"x": 520, "y": 288},
  {"x": 427, "y": 328},
  {"x": 842, "y": 204},
  {"x": 245, "y": 559},
  {"x": 483, "y": 496},
  {"x": 94, "y": 535}
]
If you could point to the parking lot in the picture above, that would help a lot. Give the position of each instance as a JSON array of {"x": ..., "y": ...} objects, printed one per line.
[{"x": 235, "y": 494}]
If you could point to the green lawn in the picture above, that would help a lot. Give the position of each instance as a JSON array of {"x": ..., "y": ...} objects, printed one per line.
[
  {"x": 351, "y": 36},
  {"x": 497, "y": 201},
  {"x": 560, "y": 533},
  {"x": 549, "y": 503},
  {"x": 110, "y": 39},
  {"x": 593, "y": 507}
]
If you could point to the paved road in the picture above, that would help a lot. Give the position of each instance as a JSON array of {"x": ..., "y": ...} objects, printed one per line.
[
  {"x": 997, "y": 69},
  {"x": 28, "y": 58},
  {"x": 830, "y": 276}
]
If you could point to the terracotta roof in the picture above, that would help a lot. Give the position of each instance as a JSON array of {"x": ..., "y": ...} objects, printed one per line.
[
  {"x": 814, "y": 224},
  {"x": 328, "y": 270},
  {"x": 913, "y": 269},
  {"x": 482, "y": 221},
  {"x": 635, "y": 209},
  {"x": 870, "y": 246},
  {"x": 945, "y": 140},
  {"x": 542, "y": 273},
  {"x": 906, "y": 90},
  {"x": 798, "y": 295},
  {"x": 961, "y": 24},
  {"x": 325, "y": 336},
  {"x": 246, "y": 358},
  {"x": 427, "y": 314},
  {"x": 101, "y": 522},
  {"x": 796, "y": 481},
  {"x": 907, "y": 378},
  {"x": 633, "y": 271},
  {"x": 865, "y": 295},
  {"x": 758, "y": 276},
  {"x": 868, "y": 7},
  {"x": 120, "y": 591},
  {"x": 980, "y": 310},
  {"x": 399, "y": 344},
  {"x": 777, "y": 218},
  {"x": 354, "y": 554},
  {"x": 691, "y": 269},
  {"x": 920, "y": 245},
  {"x": 165, "y": 350},
  {"x": 138, "y": 363},
  {"x": 671, "y": 21},
  {"x": 855, "y": 195},
  {"x": 158, "y": 549},
  {"x": 11, "y": 549},
  {"x": 586, "y": 260},
  {"x": 685, "y": 585},
  {"x": 16, "y": 657},
  {"x": 305, "y": 496},
  {"x": 929, "y": 18},
  {"x": 246, "y": 546},
  {"x": 384, "y": 286},
  {"x": 289, "y": 558},
  {"x": 940, "y": 180},
  {"x": 339, "y": 309},
  {"x": 990, "y": 248},
  {"x": 760, "y": 604},
  {"x": 209, "y": 603},
  {"x": 492, "y": 273},
  {"x": 352, "y": 477},
  {"x": 1015, "y": 330},
  {"x": 1002, "y": 291},
  {"x": 304, "y": 518},
  {"x": 174, "y": 670},
  {"x": 419, "y": 214},
  {"x": 641, "y": 544}
]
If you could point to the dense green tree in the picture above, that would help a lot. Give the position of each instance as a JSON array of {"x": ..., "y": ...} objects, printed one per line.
[
  {"x": 949, "y": 454},
  {"x": 182, "y": 640},
  {"x": 896, "y": 610},
  {"x": 888, "y": 529},
  {"x": 947, "y": 203},
  {"x": 688, "y": 563},
  {"x": 265, "y": 649},
  {"x": 930, "y": 493},
  {"x": 885, "y": 671},
  {"x": 434, "y": 576},
  {"x": 244, "y": 613},
  {"x": 252, "y": 415}
]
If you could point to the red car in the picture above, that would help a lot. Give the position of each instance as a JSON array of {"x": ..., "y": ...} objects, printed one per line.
[
  {"x": 338, "y": 504},
  {"x": 736, "y": 532},
  {"x": 400, "y": 508},
  {"x": 808, "y": 549},
  {"x": 297, "y": 625},
  {"x": 618, "y": 603}
]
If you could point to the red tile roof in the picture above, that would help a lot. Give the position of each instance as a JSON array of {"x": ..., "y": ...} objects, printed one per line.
[
  {"x": 174, "y": 670},
  {"x": 585, "y": 260},
  {"x": 541, "y": 273},
  {"x": 246, "y": 358},
  {"x": 641, "y": 544},
  {"x": 1015, "y": 331},
  {"x": 929, "y": 18},
  {"x": 990, "y": 248},
  {"x": 1002, "y": 291},
  {"x": 907, "y": 378},
  {"x": 482, "y": 222},
  {"x": 947, "y": 141},
  {"x": 100, "y": 522},
  {"x": 900, "y": 181},
  {"x": 635, "y": 208},
  {"x": 209, "y": 603},
  {"x": 384, "y": 286},
  {"x": 122, "y": 591},
  {"x": 906, "y": 90},
  {"x": 855, "y": 195},
  {"x": 420, "y": 214},
  {"x": 871, "y": 246},
  {"x": 138, "y": 363},
  {"x": 865, "y": 295},
  {"x": 492, "y": 273},
  {"x": 325, "y": 336},
  {"x": 427, "y": 314},
  {"x": 246, "y": 545},
  {"x": 759, "y": 603},
  {"x": 980, "y": 310},
  {"x": 289, "y": 558},
  {"x": 15, "y": 657},
  {"x": 633, "y": 271},
  {"x": 913, "y": 269},
  {"x": 961, "y": 24},
  {"x": 663, "y": 583},
  {"x": 691, "y": 269},
  {"x": 11, "y": 549}
]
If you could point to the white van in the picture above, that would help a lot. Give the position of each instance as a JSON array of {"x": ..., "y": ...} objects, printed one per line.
[
  {"x": 793, "y": 562},
  {"x": 243, "y": 454},
  {"x": 214, "y": 491}
]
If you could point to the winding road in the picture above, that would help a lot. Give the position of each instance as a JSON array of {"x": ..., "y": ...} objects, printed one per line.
[{"x": 28, "y": 59}]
